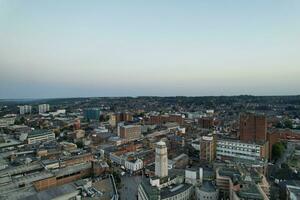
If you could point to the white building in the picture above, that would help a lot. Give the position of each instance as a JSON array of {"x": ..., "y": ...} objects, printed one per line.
[
  {"x": 39, "y": 136},
  {"x": 236, "y": 149},
  {"x": 26, "y": 109},
  {"x": 44, "y": 108},
  {"x": 7, "y": 120},
  {"x": 134, "y": 165},
  {"x": 194, "y": 176},
  {"x": 161, "y": 160}
]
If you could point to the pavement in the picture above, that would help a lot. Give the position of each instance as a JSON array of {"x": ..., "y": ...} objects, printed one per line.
[{"x": 129, "y": 188}]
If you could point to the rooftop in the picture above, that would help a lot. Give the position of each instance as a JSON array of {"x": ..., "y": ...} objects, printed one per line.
[
  {"x": 207, "y": 186},
  {"x": 53, "y": 192},
  {"x": 39, "y": 132},
  {"x": 174, "y": 190}
]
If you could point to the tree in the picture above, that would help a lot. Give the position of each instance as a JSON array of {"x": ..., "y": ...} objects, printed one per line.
[
  {"x": 79, "y": 144},
  {"x": 288, "y": 123},
  {"x": 277, "y": 150},
  {"x": 20, "y": 121}
]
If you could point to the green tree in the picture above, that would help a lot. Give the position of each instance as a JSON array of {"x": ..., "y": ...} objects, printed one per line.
[
  {"x": 20, "y": 121},
  {"x": 288, "y": 123},
  {"x": 277, "y": 150},
  {"x": 79, "y": 144}
]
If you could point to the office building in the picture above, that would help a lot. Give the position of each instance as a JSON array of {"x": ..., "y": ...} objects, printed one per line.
[
  {"x": 40, "y": 136},
  {"x": 124, "y": 117},
  {"x": 253, "y": 128},
  {"x": 207, "y": 148},
  {"x": 43, "y": 108},
  {"x": 92, "y": 114},
  {"x": 161, "y": 160},
  {"x": 207, "y": 191},
  {"x": 237, "y": 150},
  {"x": 130, "y": 132},
  {"x": 25, "y": 109}
]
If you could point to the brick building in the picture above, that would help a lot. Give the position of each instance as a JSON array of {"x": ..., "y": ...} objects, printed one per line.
[
  {"x": 253, "y": 128},
  {"x": 130, "y": 132}
]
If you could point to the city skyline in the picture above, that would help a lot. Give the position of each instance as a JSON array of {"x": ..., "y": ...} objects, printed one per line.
[{"x": 170, "y": 48}]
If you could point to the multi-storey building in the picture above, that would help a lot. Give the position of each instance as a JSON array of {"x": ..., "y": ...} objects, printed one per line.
[
  {"x": 39, "y": 136},
  {"x": 253, "y": 128},
  {"x": 134, "y": 165},
  {"x": 92, "y": 113},
  {"x": 161, "y": 119},
  {"x": 230, "y": 149},
  {"x": 130, "y": 132},
  {"x": 207, "y": 148},
  {"x": 44, "y": 108},
  {"x": 25, "y": 109},
  {"x": 161, "y": 159}
]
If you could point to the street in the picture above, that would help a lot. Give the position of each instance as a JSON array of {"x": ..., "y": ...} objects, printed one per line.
[{"x": 129, "y": 188}]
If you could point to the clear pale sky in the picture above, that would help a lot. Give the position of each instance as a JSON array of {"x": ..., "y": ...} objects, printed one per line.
[{"x": 70, "y": 48}]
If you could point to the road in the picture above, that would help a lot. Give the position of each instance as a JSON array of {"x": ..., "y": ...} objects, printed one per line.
[
  {"x": 129, "y": 188},
  {"x": 287, "y": 153}
]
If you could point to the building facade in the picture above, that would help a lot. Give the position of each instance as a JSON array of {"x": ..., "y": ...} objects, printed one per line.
[
  {"x": 207, "y": 148},
  {"x": 92, "y": 113},
  {"x": 43, "y": 108},
  {"x": 161, "y": 160},
  {"x": 134, "y": 165},
  {"x": 227, "y": 150},
  {"x": 253, "y": 128},
  {"x": 25, "y": 109},
  {"x": 40, "y": 136},
  {"x": 130, "y": 132}
]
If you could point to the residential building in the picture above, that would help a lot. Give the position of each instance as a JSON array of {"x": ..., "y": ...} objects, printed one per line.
[
  {"x": 25, "y": 109},
  {"x": 43, "y": 108}
]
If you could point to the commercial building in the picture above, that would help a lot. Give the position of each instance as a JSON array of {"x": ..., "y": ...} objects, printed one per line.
[
  {"x": 112, "y": 120},
  {"x": 161, "y": 119},
  {"x": 39, "y": 136},
  {"x": 25, "y": 109},
  {"x": 206, "y": 122},
  {"x": 253, "y": 128},
  {"x": 134, "y": 165},
  {"x": 182, "y": 191},
  {"x": 43, "y": 108},
  {"x": 277, "y": 135},
  {"x": 7, "y": 120},
  {"x": 161, "y": 160},
  {"x": 124, "y": 117},
  {"x": 234, "y": 149},
  {"x": 207, "y": 191},
  {"x": 237, "y": 183},
  {"x": 207, "y": 148},
  {"x": 130, "y": 132},
  {"x": 92, "y": 113}
]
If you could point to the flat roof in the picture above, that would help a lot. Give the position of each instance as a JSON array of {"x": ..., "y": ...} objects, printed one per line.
[
  {"x": 38, "y": 132},
  {"x": 54, "y": 192},
  {"x": 72, "y": 169},
  {"x": 174, "y": 190}
]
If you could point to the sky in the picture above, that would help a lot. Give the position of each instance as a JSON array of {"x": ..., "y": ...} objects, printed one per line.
[{"x": 83, "y": 48}]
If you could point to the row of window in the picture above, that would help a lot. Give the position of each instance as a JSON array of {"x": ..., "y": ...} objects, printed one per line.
[{"x": 238, "y": 144}]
